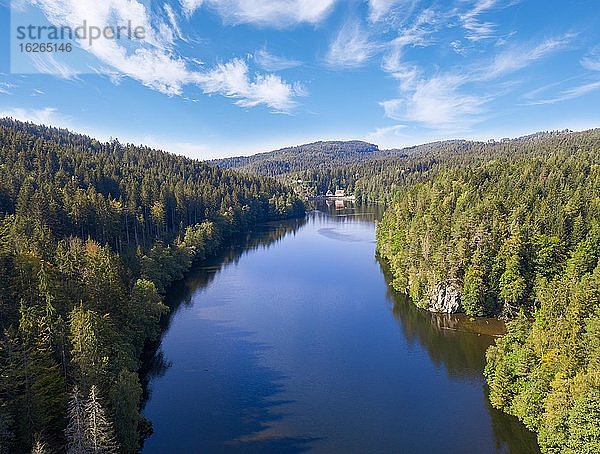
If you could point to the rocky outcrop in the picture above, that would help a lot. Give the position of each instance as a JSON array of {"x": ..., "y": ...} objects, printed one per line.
[{"x": 445, "y": 297}]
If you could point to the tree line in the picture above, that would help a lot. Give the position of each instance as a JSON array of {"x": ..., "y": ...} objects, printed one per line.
[
  {"x": 520, "y": 234},
  {"x": 91, "y": 235}
]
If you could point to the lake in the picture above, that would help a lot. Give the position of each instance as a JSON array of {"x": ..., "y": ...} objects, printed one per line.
[{"x": 293, "y": 341}]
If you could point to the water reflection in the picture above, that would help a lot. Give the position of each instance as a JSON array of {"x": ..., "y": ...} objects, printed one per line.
[
  {"x": 227, "y": 430},
  {"x": 459, "y": 344},
  {"x": 340, "y": 212},
  {"x": 293, "y": 347},
  {"x": 441, "y": 334}
]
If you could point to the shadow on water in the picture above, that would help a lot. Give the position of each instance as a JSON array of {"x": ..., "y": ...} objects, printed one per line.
[
  {"x": 243, "y": 424},
  {"x": 459, "y": 344},
  {"x": 232, "y": 400},
  {"x": 441, "y": 334}
]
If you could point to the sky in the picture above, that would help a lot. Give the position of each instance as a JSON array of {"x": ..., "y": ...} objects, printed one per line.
[{"x": 216, "y": 78}]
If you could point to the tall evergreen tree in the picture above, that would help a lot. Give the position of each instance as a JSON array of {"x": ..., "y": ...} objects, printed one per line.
[{"x": 99, "y": 432}]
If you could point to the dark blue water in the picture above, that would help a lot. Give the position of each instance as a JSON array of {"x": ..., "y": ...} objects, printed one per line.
[{"x": 294, "y": 342}]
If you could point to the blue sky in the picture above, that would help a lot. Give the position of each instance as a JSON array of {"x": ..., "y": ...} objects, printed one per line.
[{"x": 227, "y": 77}]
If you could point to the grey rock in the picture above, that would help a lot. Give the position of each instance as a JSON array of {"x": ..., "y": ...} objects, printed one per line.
[{"x": 445, "y": 297}]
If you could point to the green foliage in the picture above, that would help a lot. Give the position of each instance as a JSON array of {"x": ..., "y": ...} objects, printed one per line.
[
  {"x": 521, "y": 236},
  {"x": 91, "y": 235},
  {"x": 299, "y": 158},
  {"x": 126, "y": 397},
  {"x": 374, "y": 175},
  {"x": 491, "y": 228}
]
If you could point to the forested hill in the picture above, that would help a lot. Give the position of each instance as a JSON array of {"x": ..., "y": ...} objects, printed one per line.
[
  {"x": 376, "y": 175},
  {"x": 91, "y": 234},
  {"x": 516, "y": 235},
  {"x": 302, "y": 157}
]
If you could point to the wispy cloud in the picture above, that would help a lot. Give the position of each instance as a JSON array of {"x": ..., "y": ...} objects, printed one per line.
[
  {"x": 190, "y": 6},
  {"x": 418, "y": 34},
  {"x": 6, "y": 88},
  {"x": 47, "y": 63},
  {"x": 570, "y": 93},
  {"x": 45, "y": 116},
  {"x": 232, "y": 80},
  {"x": 380, "y": 9},
  {"x": 351, "y": 47},
  {"x": 457, "y": 47},
  {"x": 592, "y": 60},
  {"x": 476, "y": 28},
  {"x": 194, "y": 150},
  {"x": 437, "y": 103},
  {"x": 449, "y": 100},
  {"x": 387, "y": 136},
  {"x": 176, "y": 29},
  {"x": 270, "y": 62},
  {"x": 521, "y": 56},
  {"x": 274, "y": 13}
]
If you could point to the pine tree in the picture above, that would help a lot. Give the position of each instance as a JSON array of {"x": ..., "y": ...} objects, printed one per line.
[
  {"x": 76, "y": 426},
  {"x": 98, "y": 428}
]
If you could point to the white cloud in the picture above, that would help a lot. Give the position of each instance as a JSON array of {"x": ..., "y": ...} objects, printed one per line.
[
  {"x": 276, "y": 13},
  {"x": 6, "y": 88},
  {"x": 351, "y": 47},
  {"x": 152, "y": 61},
  {"x": 475, "y": 28},
  {"x": 591, "y": 64},
  {"x": 592, "y": 60},
  {"x": 189, "y": 6},
  {"x": 173, "y": 21},
  {"x": 520, "y": 57},
  {"x": 379, "y": 9},
  {"x": 46, "y": 116},
  {"x": 47, "y": 63},
  {"x": 571, "y": 93},
  {"x": 232, "y": 80},
  {"x": 387, "y": 136},
  {"x": 456, "y": 46},
  {"x": 270, "y": 62},
  {"x": 437, "y": 103},
  {"x": 449, "y": 101},
  {"x": 194, "y": 150},
  {"x": 418, "y": 34}
]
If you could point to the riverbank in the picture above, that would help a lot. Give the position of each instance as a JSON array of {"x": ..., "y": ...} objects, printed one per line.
[{"x": 299, "y": 344}]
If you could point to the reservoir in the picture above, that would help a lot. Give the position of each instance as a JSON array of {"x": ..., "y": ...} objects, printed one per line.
[{"x": 293, "y": 341}]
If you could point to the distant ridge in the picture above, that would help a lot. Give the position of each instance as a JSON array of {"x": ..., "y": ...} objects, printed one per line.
[{"x": 301, "y": 157}]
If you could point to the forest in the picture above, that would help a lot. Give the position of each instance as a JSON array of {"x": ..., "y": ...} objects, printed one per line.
[
  {"x": 518, "y": 235},
  {"x": 375, "y": 176},
  {"x": 91, "y": 236},
  {"x": 302, "y": 157}
]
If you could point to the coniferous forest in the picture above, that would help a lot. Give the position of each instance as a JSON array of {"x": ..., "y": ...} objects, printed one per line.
[
  {"x": 91, "y": 235},
  {"x": 517, "y": 237}
]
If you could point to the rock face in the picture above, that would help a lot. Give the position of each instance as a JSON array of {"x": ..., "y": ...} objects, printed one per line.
[{"x": 445, "y": 298}]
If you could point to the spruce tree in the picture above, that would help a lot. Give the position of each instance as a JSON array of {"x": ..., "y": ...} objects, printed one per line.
[{"x": 99, "y": 433}]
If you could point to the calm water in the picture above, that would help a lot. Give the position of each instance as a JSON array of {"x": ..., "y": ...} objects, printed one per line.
[{"x": 294, "y": 342}]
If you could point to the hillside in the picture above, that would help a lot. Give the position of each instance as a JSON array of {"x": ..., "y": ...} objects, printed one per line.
[
  {"x": 91, "y": 235},
  {"x": 375, "y": 175},
  {"x": 516, "y": 236},
  {"x": 302, "y": 157}
]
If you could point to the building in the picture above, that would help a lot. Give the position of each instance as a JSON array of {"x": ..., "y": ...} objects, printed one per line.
[{"x": 340, "y": 193}]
